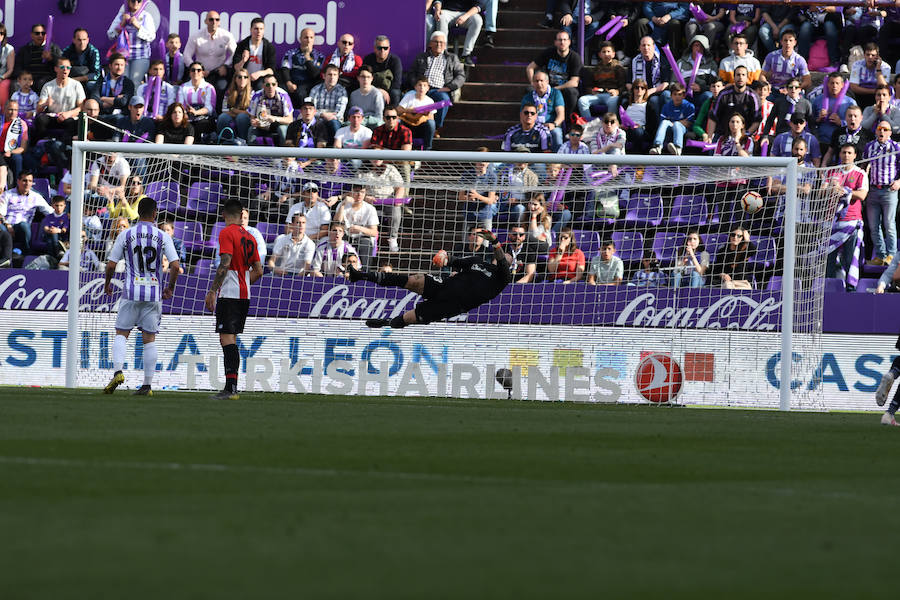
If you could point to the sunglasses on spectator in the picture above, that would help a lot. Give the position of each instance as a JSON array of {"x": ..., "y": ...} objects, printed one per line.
[
  {"x": 39, "y": 32},
  {"x": 529, "y": 112},
  {"x": 736, "y": 235},
  {"x": 574, "y": 134},
  {"x": 271, "y": 85},
  {"x": 382, "y": 47},
  {"x": 348, "y": 43},
  {"x": 518, "y": 233},
  {"x": 793, "y": 87},
  {"x": 884, "y": 129},
  {"x": 64, "y": 67},
  {"x": 196, "y": 70},
  {"x": 214, "y": 19},
  {"x": 610, "y": 122}
]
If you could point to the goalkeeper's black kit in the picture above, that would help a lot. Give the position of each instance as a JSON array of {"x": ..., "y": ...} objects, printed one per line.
[{"x": 475, "y": 283}]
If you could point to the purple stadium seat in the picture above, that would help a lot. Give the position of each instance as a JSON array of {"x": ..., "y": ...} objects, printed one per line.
[
  {"x": 204, "y": 267},
  {"x": 646, "y": 210},
  {"x": 166, "y": 194},
  {"x": 213, "y": 240},
  {"x": 666, "y": 245},
  {"x": 865, "y": 285},
  {"x": 204, "y": 197},
  {"x": 588, "y": 241},
  {"x": 191, "y": 233},
  {"x": 629, "y": 245},
  {"x": 689, "y": 210},
  {"x": 766, "y": 252},
  {"x": 42, "y": 187},
  {"x": 270, "y": 231},
  {"x": 37, "y": 238},
  {"x": 835, "y": 285}
]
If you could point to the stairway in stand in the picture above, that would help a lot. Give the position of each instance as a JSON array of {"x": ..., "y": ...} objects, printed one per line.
[{"x": 490, "y": 99}]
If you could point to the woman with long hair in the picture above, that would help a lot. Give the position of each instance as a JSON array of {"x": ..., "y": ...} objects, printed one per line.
[
  {"x": 127, "y": 201},
  {"x": 691, "y": 266},
  {"x": 236, "y": 104},
  {"x": 641, "y": 114},
  {"x": 736, "y": 143},
  {"x": 537, "y": 222},
  {"x": 175, "y": 127},
  {"x": 566, "y": 262},
  {"x": 732, "y": 265}
]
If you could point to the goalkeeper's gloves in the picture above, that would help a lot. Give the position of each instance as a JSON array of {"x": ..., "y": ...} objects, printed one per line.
[{"x": 487, "y": 235}]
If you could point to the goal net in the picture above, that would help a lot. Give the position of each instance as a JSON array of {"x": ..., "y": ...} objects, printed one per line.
[{"x": 636, "y": 279}]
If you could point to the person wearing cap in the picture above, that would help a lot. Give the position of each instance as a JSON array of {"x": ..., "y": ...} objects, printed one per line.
[
  {"x": 360, "y": 221},
  {"x": 355, "y": 134},
  {"x": 113, "y": 89},
  {"x": 317, "y": 213},
  {"x": 738, "y": 98},
  {"x": 784, "y": 142},
  {"x": 308, "y": 131},
  {"x": 135, "y": 123},
  {"x": 706, "y": 72},
  {"x": 271, "y": 111}
]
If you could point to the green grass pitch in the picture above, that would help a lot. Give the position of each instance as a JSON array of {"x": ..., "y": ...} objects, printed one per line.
[{"x": 276, "y": 496}]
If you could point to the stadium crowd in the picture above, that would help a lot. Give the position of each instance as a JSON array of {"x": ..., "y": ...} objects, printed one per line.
[{"x": 741, "y": 80}]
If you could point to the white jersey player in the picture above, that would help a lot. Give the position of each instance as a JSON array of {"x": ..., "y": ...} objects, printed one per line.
[{"x": 142, "y": 247}]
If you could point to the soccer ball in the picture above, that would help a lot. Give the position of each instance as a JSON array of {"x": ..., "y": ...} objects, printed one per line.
[
  {"x": 440, "y": 259},
  {"x": 751, "y": 202}
]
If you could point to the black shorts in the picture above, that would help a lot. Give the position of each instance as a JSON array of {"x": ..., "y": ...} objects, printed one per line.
[
  {"x": 231, "y": 314},
  {"x": 440, "y": 301}
]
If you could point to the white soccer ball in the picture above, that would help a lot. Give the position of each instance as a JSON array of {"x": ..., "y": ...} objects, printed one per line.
[{"x": 752, "y": 202}]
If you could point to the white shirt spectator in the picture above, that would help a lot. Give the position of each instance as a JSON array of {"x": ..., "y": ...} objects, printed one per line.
[
  {"x": 328, "y": 260},
  {"x": 348, "y": 139},
  {"x": 111, "y": 175},
  {"x": 365, "y": 215},
  {"x": 293, "y": 256},
  {"x": 210, "y": 51},
  {"x": 316, "y": 215},
  {"x": 63, "y": 98}
]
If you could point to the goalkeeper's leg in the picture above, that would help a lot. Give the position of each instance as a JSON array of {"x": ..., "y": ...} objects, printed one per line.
[{"x": 414, "y": 283}]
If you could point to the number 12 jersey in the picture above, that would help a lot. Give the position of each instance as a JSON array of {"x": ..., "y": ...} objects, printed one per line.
[
  {"x": 143, "y": 247},
  {"x": 241, "y": 245}
]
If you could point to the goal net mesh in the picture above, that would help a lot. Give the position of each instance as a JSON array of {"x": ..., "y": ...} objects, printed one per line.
[{"x": 695, "y": 275}]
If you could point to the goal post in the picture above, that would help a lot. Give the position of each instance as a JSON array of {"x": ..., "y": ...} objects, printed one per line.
[{"x": 437, "y": 220}]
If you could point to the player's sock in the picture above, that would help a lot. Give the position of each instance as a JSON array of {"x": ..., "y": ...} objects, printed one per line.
[
  {"x": 232, "y": 363},
  {"x": 895, "y": 368},
  {"x": 389, "y": 279},
  {"x": 398, "y": 322},
  {"x": 149, "y": 362},
  {"x": 120, "y": 344},
  {"x": 895, "y": 403}
]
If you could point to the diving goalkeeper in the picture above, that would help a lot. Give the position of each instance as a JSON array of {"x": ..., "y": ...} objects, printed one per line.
[{"x": 473, "y": 283}]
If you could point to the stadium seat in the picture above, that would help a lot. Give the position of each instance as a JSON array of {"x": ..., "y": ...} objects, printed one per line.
[
  {"x": 37, "y": 238},
  {"x": 588, "y": 242},
  {"x": 204, "y": 267},
  {"x": 766, "y": 252},
  {"x": 213, "y": 240},
  {"x": 629, "y": 245},
  {"x": 866, "y": 286},
  {"x": 644, "y": 210},
  {"x": 689, "y": 210},
  {"x": 270, "y": 231},
  {"x": 666, "y": 245},
  {"x": 204, "y": 197},
  {"x": 42, "y": 187},
  {"x": 191, "y": 233},
  {"x": 29, "y": 259},
  {"x": 775, "y": 282},
  {"x": 835, "y": 285},
  {"x": 166, "y": 194}
]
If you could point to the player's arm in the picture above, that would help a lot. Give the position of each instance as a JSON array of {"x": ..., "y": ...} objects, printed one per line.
[
  {"x": 218, "y": 280},
  {"x": 256, "y": 271},
  {"x": 107, "y": 279},
  {"x": 112, "y": 259}
]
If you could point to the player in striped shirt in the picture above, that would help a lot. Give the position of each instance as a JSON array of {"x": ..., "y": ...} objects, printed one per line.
[
  {"x": 239, "y": 266},
  {"x": 143, "y": 248}
]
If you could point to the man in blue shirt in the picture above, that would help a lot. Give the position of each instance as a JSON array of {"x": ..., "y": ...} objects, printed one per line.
[{"x": 677, "y": 115}]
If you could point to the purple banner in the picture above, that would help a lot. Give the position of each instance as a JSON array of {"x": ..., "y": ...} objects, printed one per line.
[
  {"x": 559, "y": 304},
  {"x": 403, "y": 21}
]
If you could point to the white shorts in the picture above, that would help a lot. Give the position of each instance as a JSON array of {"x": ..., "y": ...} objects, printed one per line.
[{"x": 144, "y": 315}]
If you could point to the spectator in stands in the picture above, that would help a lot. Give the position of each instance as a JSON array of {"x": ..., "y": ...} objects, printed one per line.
[
  {"x": 563, "y": 66},
  {"x": 271, "y": 112},
  {"x": 473, "y": 245},
  {"x": 293, "y": 251},
  {"x": 776, "y": 18},
  {"x": 882, "y": 110},
  {"x": 368, "y": 98},
  {"x": 6, "y": 243},
  {"x": 678, "y": 116},
  {"x": 236, "y": 105},
  {"x": 107, "y": 183},
  {"x": 25, "y": 97},
  {"x": 784, "y": 64},
  {"x": 777, "y": 184},
  {"x": 134, "y": 193},
  {"x": 639, "y": 112},
  {"x": 168, "y": 93},
  {"x": 740, "y": 56},
  {"x": 119, "y": 225},
  {"x": 330, "y": 98},
  {"x": 781, "y": 145},
  {"x": 12, "y": 159},
  {"x": 790, "y": 103},
  {"x": 698, "y": 129},
  {"x": 318, "y": 216},
  {"x": 460, "y": 13},
  {"x": 113, "y": 90},
  {"x": 528, "y": 133},
  {"x": 97, "y": 130},
  {"x": 256, "y": 54},
  {"x": 517, "y": 181},
  {"x": 551, "y": 110},
  {"x": 140, "y": 28},
  {"x": 763, "y": 90},
  {"x": 830, "y": 118},
  {"x": 17, "y": 207},
  {"x": 818, "y": 22},
  {"x": 214, "y": 49},
  {"x": 384, "y": 183},
  {"x": 523, "y": 253},
  {"x": 168, "y": 227},
  {"x": 712, "y": 28},
  {"x": 867, "y": 74},
  {"x": 649, "y": 274},
  {"x": 330, "y": 252},
  {"x": 335, "y": 180},
  {"x": 420, "y": 123},
  {"x": 479, "y": 194},
  {"x": 307, "y": 131},
  {"x": 566, "y": 262},
  {"x": 392, "y": 135},
  {"x": 732, "y": 268},
  {"x": 360, "y": 221},
  {"x": 387, "y": 69},
  {"x": 173, "y": 60},
  {"x": 135, "y": 122},
  {"x": 347, "y": 61},
  {"x": 35, "y": 58},
  {"x": 571, "y": 18},
  {"x": 691, "y": 266},
  {"x": 606, "y": 268},
  {"x": 889, "y": 34},
  {"x": 603, "y": 84},
  {"x": 664, "y": 22},
  {"x": 175, "y": 128},
  {"x": 747, "y": 15},
  {"x": 851, "y": 133},
  {"x": 560, "y": 201},
  {"x": 85, "y": 59},
  {"x": 882, "y": 155},
  {"x": 199, "y": 98},
  {"x": 537, "y": 222},
  {"x": 59, "y": 104},
  {"x": 88, "y": 262},
  {"x": 302, "y": 66},
  {"x": 849, "y": 184},
  {"x": 55, "y": 227},
  {"x": 442, "y": 69},
  {"x": 738, "y": 98},
  {"x": 735, "y": 143},
  {"x": 7, "y": 65},
  {"x": 706, "y": 71},
  {"x": 355, "y": 135},
  {"x": 283, "y": 189},
  {"x": 610, "y": 139},
  {"x": 649, "y": 67},
  {"x": 628, "y": 37}
]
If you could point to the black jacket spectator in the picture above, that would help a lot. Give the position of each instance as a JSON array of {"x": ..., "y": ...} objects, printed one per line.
[
  {"x": 29, "y": 58},
  {"x": 105, "y": 88},
  {"x": 783, "y": 109},
  {"x": 300, "y": 135},
  {"x": 85, "y": 63},
  {"x": 268, "y": 57},
  {"x": 388, "y": 75}
]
